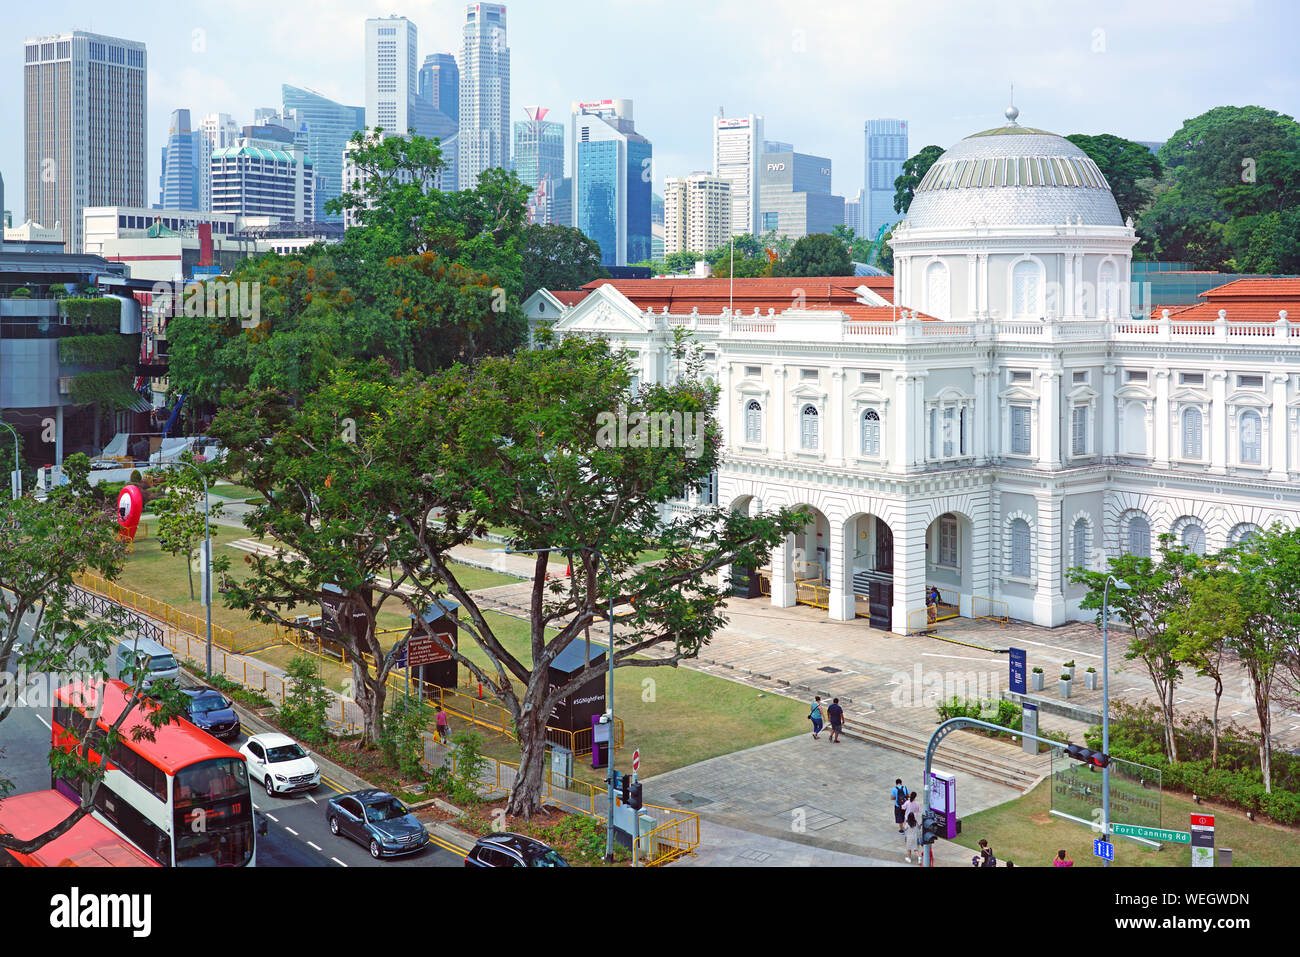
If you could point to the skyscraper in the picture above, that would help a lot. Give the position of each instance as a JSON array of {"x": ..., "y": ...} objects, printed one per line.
[
  {"x": 440, "y": 84},
  {"x": 538, "y": 160},
  {"x": 85, "y": 103},
  {"x": 737, "y": 144},
  {"x": 391, "y": 73},
  {"x": 219, "y": 130},
  {"x": 795, "y": 195},
  {"x": 886, "y": 151},
  {"x": 484, "y": 93},
  {"x": 329, "y": 127},
  {"x": 253, "y": 181},
  {"x": 697, "y": 213},
  {"x": 610, "y": 168},
  {"x": 183, "y": 160}
]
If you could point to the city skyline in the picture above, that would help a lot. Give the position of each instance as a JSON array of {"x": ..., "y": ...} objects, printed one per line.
[{"x": 1069, "y": 77}]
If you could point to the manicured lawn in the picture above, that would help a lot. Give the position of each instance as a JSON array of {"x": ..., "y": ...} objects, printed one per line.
[
  {"x": 230, "y": 490},
  {"x": 1023, "y": 831}
]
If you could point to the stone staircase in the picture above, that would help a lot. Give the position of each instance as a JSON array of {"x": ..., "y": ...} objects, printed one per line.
[{"x": 989, "y": 758}]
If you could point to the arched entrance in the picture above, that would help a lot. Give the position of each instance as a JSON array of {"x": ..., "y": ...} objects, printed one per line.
[
  {"x": 872, "y": 568},
  {"x": 948, "y": 565}
]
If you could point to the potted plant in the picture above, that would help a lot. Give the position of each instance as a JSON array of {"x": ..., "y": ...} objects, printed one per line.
[
  {"x": 1066, "y": 681},
  {"x": 1036, "y": 679},
  {"x": 1090, "y": 679},
  {"x": 22, "y": 292},
  {"x": 1068, "y": 668}
]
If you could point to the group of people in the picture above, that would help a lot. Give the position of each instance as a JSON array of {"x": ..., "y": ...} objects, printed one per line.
[
  {"x": 834, "y": 715},
  {"x": 907, "y": 815}
]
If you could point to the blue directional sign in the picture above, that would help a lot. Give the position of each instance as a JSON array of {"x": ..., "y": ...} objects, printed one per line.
[
  {"x": 1019, "y": 663},
  {"x": 1103, "y": 849}
]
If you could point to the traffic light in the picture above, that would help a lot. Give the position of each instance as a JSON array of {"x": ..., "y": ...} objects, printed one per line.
[
  {"x": 931, "y": 828},
  {"x": 633, "y": 800},
  {"x": 625, "y": 785},
  {"x": 1094, "y": 759}
]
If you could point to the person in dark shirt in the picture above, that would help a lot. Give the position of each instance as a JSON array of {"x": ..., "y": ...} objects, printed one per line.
[{"x": 835, "y": 714}]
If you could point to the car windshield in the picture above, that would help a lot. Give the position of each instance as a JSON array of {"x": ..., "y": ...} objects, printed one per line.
[
  {"x": 285, "y": 752},
  {"x": 547, "y": 858},
  {"x": 385, "y": 809},
  {"x": 210, "y": 701},
  {"x": 162, "y": 663}
]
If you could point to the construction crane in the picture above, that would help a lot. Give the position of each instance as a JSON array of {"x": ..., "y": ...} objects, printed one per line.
[{"x": 875, "y": 246}]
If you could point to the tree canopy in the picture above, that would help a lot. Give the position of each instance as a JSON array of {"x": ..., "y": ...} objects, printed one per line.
[
  {"x": 914, "y": 170},
  {"x": 817, "y": 254},
  {"x": 559, "y": 257},
  {"x": 1130, "y": 168}
]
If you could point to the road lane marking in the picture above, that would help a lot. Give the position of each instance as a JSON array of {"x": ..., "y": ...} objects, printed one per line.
[
  {"x": 337, "y": 787},
  {"x": 291, "y": 830},
  {"x": 44, "y": 722},
  {"x": 338, "y": 862},
  {"x": 931, "y": 654},
  {"x": 448, "y": 846},
  {"x": 273, "y": 817},
  {"x": 312, "y": 799},
  {"x": 1042, "y": 644},
  {"x": 316, "y": 846}
]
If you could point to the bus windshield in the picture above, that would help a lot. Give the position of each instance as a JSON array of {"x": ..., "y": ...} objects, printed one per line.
[{"x": 214, "y": 814}]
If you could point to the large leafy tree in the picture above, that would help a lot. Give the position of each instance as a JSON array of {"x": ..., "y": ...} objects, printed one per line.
[
  {"x": 181, "y": 524},
  {"x": 561, "y": 257},
  {"x": 44, "y": 630},
  {"x": 1130, "y": 168},
  {"x": 1157, "y": 589},
  {"x": 914, "y": 170},
  {"x": 1200, "y": 631},
  {"x": 818, "y": 254}
]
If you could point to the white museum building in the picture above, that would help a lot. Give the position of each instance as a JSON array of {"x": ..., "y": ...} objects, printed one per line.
[{"x": 993, "y": 414}]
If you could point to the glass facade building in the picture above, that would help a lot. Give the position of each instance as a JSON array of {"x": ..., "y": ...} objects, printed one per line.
[
  {"x": 440, "y": 84},
  {"x": 886, "y": 152},
  {"x": 538, "y": 160},
  {"x": 611, "y": 165},
  {"x": 183, "y": 165},
  {"x": 329, "y": 127}
]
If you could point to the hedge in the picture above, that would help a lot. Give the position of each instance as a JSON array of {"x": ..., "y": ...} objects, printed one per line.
[
  {"x": 102, "y": 349},
  {"x": 100, "y": 313}
]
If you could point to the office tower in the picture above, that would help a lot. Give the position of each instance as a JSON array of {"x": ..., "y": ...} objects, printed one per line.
[
  {"x": 484, "y": 93},
  {"x": 183, "y": 162},
  {"x": 440, "y": 84},
  {"x": 219, "y": 130},
  {"x": 777, "y": 146},
  {"x": 329, "y": 127},
  {"x": 697, "y": 213},
  {"x": 431, "y": 122},
  {"x": 795, "y": 195},
  {"x": 538, "y": 161},
  {"x": 85, "y": 104},
  {"x": 886, "y": 151},
  {"x": 853, "y": 213},
  {"x": 737, "y": 145},
  {"x": 391, "y": 73},
  {"x": 255, "y": 181},
  {"x": 610, "y": 165}
]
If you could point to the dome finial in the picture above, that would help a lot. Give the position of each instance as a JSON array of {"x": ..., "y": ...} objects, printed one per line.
[{"x": 1011, "y": 111}]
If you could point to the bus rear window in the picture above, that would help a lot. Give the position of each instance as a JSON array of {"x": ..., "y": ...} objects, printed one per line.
[{"x": 211, "y": 781}]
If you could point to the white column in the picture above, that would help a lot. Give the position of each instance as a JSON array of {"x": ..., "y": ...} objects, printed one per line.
[
  {"x": 983, "y": 312},
  {"x": 979, "y": 416},
  {"x": 909, "y": 571},
  {"x": 901, "y": 427},
  {"x": 1049, "y": 597},
  {"x": 916, "y": 383},
  {"x": 977, "y": 577},
  {"x": 1109, "y": 413},
  {"x": 972, "y": 287},
  {"x": 1277, "y": 463},
  {"x": 1049, "y": 431},
  {"x": 1218, "y": 422},
  {"x": 835, "y": 417},
  {"x": 777, "y": 412},
  {"x": 783, "y": 574},
  {"x": 1160, "y": 449},
  {"x": 726, "y": 404},
  {"x": 841, "y": 557},
  {"x": 1071, "y": 290}
]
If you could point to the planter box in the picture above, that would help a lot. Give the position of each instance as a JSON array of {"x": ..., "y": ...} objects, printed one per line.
[
  {"x": 1036, "y": 681},
  {"x": 1067, "y": 671},
  {"x": 1090, "y": 680},
  {"x": 1065, "y": 688}
]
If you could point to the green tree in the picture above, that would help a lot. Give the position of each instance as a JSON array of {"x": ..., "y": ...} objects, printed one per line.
[
  {"x": 681, "y": 262},
  {"x": 181, "y": 525},
  {"x": 1199, "y": 636},
  {"x": 1156, "y": 590},
  {"x": 559, "y": 257},
  {"x": 1130, "y": 168},
  {"x": 304, "y": 712},
  {"x": 914, "y": 171},
  {"x": 817, "y": 254}
]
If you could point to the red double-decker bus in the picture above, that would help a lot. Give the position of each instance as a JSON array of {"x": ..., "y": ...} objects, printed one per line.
[
  {"x": 182, "y": 798},
  {"x": 88, "y": 843}
]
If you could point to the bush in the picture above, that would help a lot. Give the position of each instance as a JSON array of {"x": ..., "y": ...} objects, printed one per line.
[
  {"x": 1282, "y": 806},
  {"x": 402, "y": 739},
  {"x": 470, "y": 763},
  {"x": 306, "y": 704}
]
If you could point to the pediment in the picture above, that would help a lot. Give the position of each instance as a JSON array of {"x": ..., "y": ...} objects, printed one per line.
[{"x": 606, "y": 312}]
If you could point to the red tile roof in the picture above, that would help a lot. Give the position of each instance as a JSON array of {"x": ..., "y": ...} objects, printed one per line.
[
  {"x": 712, "y": 296},
  {"x": 1244, "y": 300},
  {"x": 570, "y": 297},
  {"x": 1262, "y": 288}
]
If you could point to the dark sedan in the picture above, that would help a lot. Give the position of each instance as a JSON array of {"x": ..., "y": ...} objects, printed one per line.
[
  {"x": 377, "y": 821},
  {"x": 211, "y": 711},
  {"x": 506, "y": 849}
]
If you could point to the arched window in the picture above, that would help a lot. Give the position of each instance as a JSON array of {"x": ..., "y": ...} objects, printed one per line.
[
  {"x": 1024, "y": 290},
  {"x": 1242, "y": 533},
  {"x": 1080, "y": 543},
  {"x": 753, "y": 422},
  {"x": 808, "y": 428},
  {"x": 1194, "y": 538},
  {"x": 1139, "y": 537},
  {"x": 1020, "y": 564},
  {"x": 1191, "y": 433},
  {"x": 1135, "y": 427},
  {"x": 936, "y": 290},
  {"x": 1250, "y": 430},
  {"x": 871, "y": 433}
]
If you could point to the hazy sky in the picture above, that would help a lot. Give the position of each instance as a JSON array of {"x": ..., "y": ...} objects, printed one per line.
[{"x": 815, "y": 69}]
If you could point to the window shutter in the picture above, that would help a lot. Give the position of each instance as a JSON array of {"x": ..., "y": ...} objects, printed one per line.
[
  {"x": 1192, "y": 433},
  {"x": 1079, "y": 430},
  {"x": 1020, "y": 548},
  {"x": 1080, "y": 544},
  {"x": 1020, "y": 437}
]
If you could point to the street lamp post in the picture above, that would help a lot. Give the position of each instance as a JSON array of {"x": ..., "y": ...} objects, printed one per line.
[
  {"x": 18, "y": 473},
  {"x": 1105, "y": 705}
]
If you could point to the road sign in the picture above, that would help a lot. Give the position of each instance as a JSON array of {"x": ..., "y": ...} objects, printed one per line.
[
  {"x": 1103, "y": 849},
  {"x": 1202, "y": 840},
  {"x": 1019, "y": 661},
  {"x": 1151, "y": 833},
  {"x": 427, "y": 650},
  {"x": 636, "y": 761}
]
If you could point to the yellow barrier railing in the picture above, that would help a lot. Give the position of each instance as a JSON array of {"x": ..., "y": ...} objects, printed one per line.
[
  {"x": 990, "y": 609},
  {"x": 812, "y": 593},
  {"x": 667, "y": 842}
]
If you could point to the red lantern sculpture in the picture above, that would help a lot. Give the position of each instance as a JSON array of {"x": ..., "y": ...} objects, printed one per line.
[{"x": 130, "y": 506}]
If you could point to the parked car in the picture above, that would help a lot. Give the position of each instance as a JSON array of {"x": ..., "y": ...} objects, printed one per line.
[
  {"x": 144, "y": 653},
  {"x": 280, "y": 763},
  {"x": 212, "y": 711},
  {"x": 377, "y": 821},
  {"x": 513, "y": 850}
]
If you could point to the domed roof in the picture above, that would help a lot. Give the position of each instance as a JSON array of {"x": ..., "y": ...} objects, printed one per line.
[{"x": 1013, "y": 176}]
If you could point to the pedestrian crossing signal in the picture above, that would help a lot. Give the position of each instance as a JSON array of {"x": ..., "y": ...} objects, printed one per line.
[{"x": 1094, "y": 759}]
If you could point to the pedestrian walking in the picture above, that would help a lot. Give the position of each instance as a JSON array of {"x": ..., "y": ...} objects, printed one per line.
[
  {"x": 440, "y": 721},
  {"x": 898, "y": 795},
  {"x": 1062, "y": 859},
  {"x": 912, "y": 806},
  {"x": 986, "y": 855},
  {"x": 836, "y": 715},
  {"x": 913, "y": 838},
  {"x": 815, "y": 716}
]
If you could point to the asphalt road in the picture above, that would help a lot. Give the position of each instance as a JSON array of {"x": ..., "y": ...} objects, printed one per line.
[{"x": 298, "y": 834}]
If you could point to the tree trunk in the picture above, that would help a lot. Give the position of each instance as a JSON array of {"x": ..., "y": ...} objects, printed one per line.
[
  {"x": 189, "y": 570},
  {"x": 1214, "y": 750},
  {"x": 1170, "y": 740},
  {"x": 369, "y": 695},
  {"x": 526, "y": 797},
  {"x": 1265, "y": 738}
]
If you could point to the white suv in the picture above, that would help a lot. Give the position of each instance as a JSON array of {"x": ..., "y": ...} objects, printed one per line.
[{"x": 280, "y": 763}]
